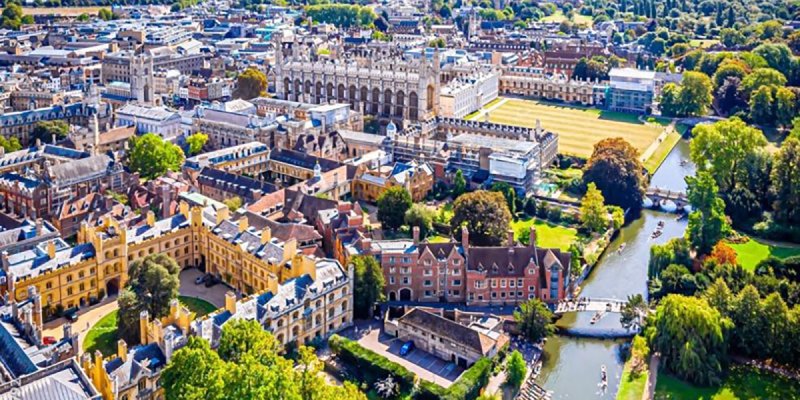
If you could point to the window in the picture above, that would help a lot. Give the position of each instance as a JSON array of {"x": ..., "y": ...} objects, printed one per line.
[
  {"x": 456, "y": 271},
  {"x": 511, "y": 283},
  {"x": 427, "y": 272},
  {"x": 494, "y": 295},
  {"x": 502, "y": 283},
  {"x": 457, "y": 282},
  {"x": 427, "y": 282},
  {"x": 406, "y": 280},
  {"x": 391, "y": 280},
  {"x": 494, "y": 283}
]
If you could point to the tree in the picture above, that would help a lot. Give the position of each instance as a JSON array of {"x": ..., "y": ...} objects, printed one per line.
[
  {"x": 707, "y": 223},
  {"x": 669, "y": 100},
  {"x": 729, "y": 97},
  {"x": 151, "y": 156},
  {"x": 534, "y": 320},
  {"x": 594, "y": 216},
  {"x": 45, "y": 130},
  {"x": 762, "y": 77},
  {"x": 640, "y": 351},
  {"x": 786, "y": 182},
  {"x": 777, "y": 55},
  {"x": 128, "y": 318},
  {"x": 12, "y": 17},
  {"x": 508, "y": 193},
  {"x": 731, "y": 37},
  {"x": 195, "y": 372},
  {"x": 723, "y": 254},
  {"x": 83, "y": 17},
  {"x": 369, "y": 285},
  {"x": 392, "y": 206},
  {"x": 420, "y": 216},
  {"x": 761, "y": 106},
  {"x": 241, "y": 338},
  {"x": 719, "y": 148},
  {"x": 633, "y": 312},
  {"x": 784, "y": 106},
  {"x": 251, "y": 83},
  {"x": 516, "y": 369},
  {"x": 105, "y": 14},
  {"x": 154, "y": 280},
  {"x": 729, "y": 68},
  {"x": 691, "y": 337},
  {"x": 460, "y": 184},
  {"x": 720, "y": 297},
  {"x": 196, "y": 142},
  {"x": 10, "y": 144},
  {"x": 695, "y": 93},
  {"x": 486, "y": 216},
  {"x": 233, "y": 203},
  {"x": 617, "y": 171},
  {"x": 749, "y": 335}
]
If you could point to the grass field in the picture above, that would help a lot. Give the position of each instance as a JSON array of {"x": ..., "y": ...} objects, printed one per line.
[
  {"x": 750, "y": 253},
  {"x": 631, "y": 389},
  {"x": 103, "y": 335},
  {"x": 579, "y": 128},
  {"x": 742, "y": 383},
  {"x": 703, "y": 43},
  {"x": 547, "y": 234},
  {"x": 65, "y": 11},
  {"x": 559, "y": 16},
  {"x": 662, "y": 152}
]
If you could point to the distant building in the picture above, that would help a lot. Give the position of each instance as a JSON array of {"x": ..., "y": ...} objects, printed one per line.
[
  {"x": 416, "y": 178},
  {"x": 150, "y": 119},
  {"x": 463, "y": 96},
  {"x": 631, "y": 90}
]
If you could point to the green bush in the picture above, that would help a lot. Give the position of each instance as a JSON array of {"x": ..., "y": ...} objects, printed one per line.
[
  {"x": 369, "y": 366},
  {"x": 469, "y": 385}
]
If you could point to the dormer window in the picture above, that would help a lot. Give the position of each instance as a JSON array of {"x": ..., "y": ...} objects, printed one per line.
[{"x": 511, "y": 268}]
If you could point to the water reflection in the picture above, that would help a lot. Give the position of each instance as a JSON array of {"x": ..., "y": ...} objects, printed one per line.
[
  {"x": 571, "y": 367},
  {"x": 670, "y": 175}
]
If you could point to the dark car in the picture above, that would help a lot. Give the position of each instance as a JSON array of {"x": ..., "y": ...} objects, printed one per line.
[
  {"x": 211, "y": 281},
  {"x": 71, "y": 314},
  {"x": 201, "y": 279},
  {"x": 406, "y": 348}
]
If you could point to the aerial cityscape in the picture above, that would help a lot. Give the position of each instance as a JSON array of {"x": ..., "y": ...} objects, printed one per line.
[{"x": 399, "y": 199}]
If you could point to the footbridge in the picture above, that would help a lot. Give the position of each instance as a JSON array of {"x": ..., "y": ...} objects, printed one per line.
[{"x": 590, "y": 304}]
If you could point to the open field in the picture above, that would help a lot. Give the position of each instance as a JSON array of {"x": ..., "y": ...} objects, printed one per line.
[
  {"x": 548, "y": 235},
  {"x": 742, "y": 383},
  {"x": 65, "y": 11},
  {"x": 579, "y": 128},
  {"x": 559, "y": 16},
  {"x": 750, "y": 253}
]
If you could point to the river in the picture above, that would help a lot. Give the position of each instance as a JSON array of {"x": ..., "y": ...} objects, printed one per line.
[{"x": 571, "y": 368}]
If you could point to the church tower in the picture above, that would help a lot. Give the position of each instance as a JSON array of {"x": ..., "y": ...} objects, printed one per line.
[{"x": 142, "y": 89}]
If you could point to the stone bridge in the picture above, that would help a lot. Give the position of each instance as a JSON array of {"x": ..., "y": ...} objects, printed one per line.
[{"x": 657, "y": 195}]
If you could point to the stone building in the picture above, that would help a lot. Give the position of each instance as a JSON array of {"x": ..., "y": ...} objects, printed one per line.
[
  {"x": 535, "y": 83},
  {"x": 383, "y": 85}
]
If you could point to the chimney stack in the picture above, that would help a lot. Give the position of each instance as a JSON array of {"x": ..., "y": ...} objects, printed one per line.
[
  {"x": 230, "y": 302},
  {"x": 415, "y": 233},
  {"x": 465, "y": 239},
  {"x": 533, "y": 236},
  {"x": 151, "y": 218},
  {"x": 266, "y": 235},
  {"x": 510, "y": 238},
  {"x": 51, "y": 249}
]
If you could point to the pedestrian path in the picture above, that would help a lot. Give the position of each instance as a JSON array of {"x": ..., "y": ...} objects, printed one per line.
[{"x": 478, "y": 116}]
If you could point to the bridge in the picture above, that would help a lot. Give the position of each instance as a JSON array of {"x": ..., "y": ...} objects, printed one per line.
[
  {"x": 586, "y": 304},
  {"x": 657, "y": 195}
]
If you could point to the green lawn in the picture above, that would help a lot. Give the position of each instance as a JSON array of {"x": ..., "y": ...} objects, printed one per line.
[
  {"x": 750, "y": 253},
  {"x": 103, "y": 335},
  {"x": 559, "y": 16},
  {"x": 548, "y": 235},
  {"x": 579, "y": 128},
  {"x": 703, "y": 43},
  {"x": 742, "y": 383},
  {"x": 631, "y": 389},
  {"x": 199, "y": 307},
  {"x": 662, "y": 151}
]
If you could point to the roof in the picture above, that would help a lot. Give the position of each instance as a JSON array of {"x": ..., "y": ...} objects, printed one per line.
[
  {"x": 80, "y": 168},
  {"x": 62, "y": 381},
  {"x": 303, "y": 160},
  {"x": 443, "y": 327},
  {"x": 151, "y": 113},
  {"x": 234, "y": 183},
  {"x": 141, "y": 360}
]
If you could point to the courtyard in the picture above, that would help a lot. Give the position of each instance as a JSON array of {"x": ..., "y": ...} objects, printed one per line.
[
  {"x": 579, "y": 128},
  {"x": 423, "y": 364}
]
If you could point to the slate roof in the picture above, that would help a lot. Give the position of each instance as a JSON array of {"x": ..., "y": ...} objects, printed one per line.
[
  {"x": 303, "y": 160},
  {"x": 140, "y": 361},
  {"x": 234, "y": 183},
  {"x": 36, "y": 261},
  {"x": 446, "y": 328},
  {"x": 80, "y": 168},
  {"x": 62, "y": 381}
]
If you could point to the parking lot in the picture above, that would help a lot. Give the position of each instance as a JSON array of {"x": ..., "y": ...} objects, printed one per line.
[
  {"x": 425, "y": 365},
  {"x": 214, "y": 295}
]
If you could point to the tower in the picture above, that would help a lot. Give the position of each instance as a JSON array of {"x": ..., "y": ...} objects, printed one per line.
[{"x": 142, "y": 88}]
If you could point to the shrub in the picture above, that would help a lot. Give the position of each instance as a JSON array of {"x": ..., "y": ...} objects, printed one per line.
[{"x": 369, "y": 366}]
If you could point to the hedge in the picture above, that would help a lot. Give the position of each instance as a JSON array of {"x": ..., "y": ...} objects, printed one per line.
[
  {"x": 369, "y": 366},
  {"x": 468, "y": 386}
]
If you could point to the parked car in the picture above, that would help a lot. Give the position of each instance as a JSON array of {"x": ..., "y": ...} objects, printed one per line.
[
  {"x": 211, "y": 281},
  {"x": 201, "y": 279},
  {"x": 407, "y": 348},
  {"x": 71, "y": 314},
  {"x": 48, "y": 340}
]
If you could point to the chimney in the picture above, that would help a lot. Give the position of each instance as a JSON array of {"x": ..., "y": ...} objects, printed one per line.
[
  {"x": 144, "y": 319},
  {"x": 415, "y": 234},
  {"x": 151, "y": 218},
  {"x": 465, "y": 239},
  {"x": 166, "y": 199},
  {"x": 122, "y": 350},
  {"x": 510, "y": 233},
  {"x": 533, "y": 237},
  {"x": 39, "y": 227},
  {"x": 266, "y": 235},
  {"x": 222, "y": 215},
  {"x": 230, "y": 302},
  {"x": 243, "y": 224},
  {"x": 51, "y": 249}
]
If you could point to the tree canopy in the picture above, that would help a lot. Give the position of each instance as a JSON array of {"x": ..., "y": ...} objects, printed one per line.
[
  {"x": 369, "y": 285},
  {"x": 719, "y": 148},
  {"x": 594, "y": 216},
  {"x": 151, "y": 156},
  {"x": 392, "y": 206},
  {"x": 152, "y": 284},
  {"x": 44, "y": 130},
  {"x": 251, "y": 83},
  {"x": 486, "y": 216},
  {"x": 616, "y": 170},
  {"x": 707, "y": 222},
  {"x": 534, "y": 320},
  {"x": 196, "y": 142}
]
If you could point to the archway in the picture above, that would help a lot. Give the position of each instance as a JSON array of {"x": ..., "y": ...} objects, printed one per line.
[
  {"x": 392, "y": 296},
  {"x": 352, "y": 96},
  {"x": 286, "y": 84},
  {"x": 363, "y": 97},
  {"x": 297, "y": 89},
  {"x": 340, "y": 93},
  {"x": 405, "y": 294},
  {"x": 328, "y": 92},
  {"x": 429, "y": 97},
  {"x": 318, "y": 93},
  {"x": 376, "y": 98},
  {"x": 112, "y": 287}
]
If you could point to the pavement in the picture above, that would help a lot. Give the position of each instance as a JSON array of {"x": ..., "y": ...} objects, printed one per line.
[
  {"x": 87, "y": 317},
  {"x": 423, "y": 364},
  {"x": 652, "y": 377},
  {"x": 214, "y": 295}
]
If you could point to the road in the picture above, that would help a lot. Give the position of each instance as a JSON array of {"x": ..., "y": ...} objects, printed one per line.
[{"x": 87, "y": 317}]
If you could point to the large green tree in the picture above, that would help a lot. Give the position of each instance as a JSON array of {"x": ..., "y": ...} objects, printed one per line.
[
  {"x": 786, "y": 182},
  {"x": 420, "y": 216},
  {"x": 392, "y": 206},
  {"x": 251, "y": 83},
  {"x": 761, "y": 77},
  {"x": 152, "y": 284},
  {"x": 534, "y": 320},
  {"x": 45, "y": 130},
  {"x": 459, "y": 184},
  {"x": 691, "y": 337},
  {"x": 195, "y": 372},
  {"x": 761, "y": 111},
  {"x": 10, "y": 144},
  {"x": 594, "y": 215},
  {"x": 242, "y": 338},
  {"x": 486, "y": 216},
  {"x": 196, "y": 142},
  {"x": 695, "y": 94},
  {"x": 151, "y": 156},
  {"x": 618, "y": 173},
  {"x": 516, "y": 369},
  {"x": 369, "y": 285},
  {"x": 719, "y": 148},
  {"x": 707, "y": 222}
]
